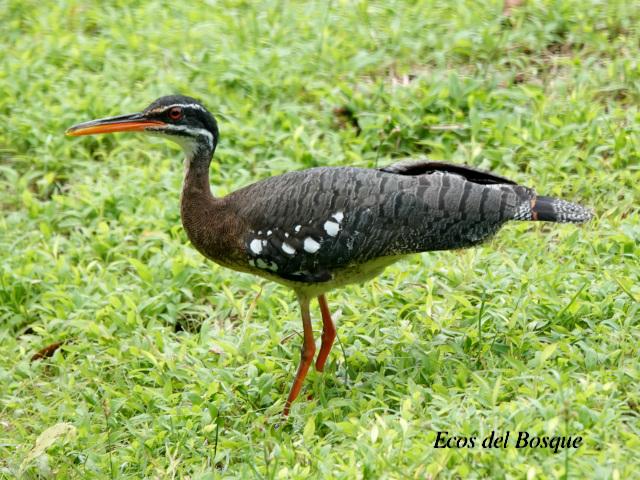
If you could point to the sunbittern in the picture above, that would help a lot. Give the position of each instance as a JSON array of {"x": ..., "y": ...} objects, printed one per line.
[{"x": 318, "y": 229}]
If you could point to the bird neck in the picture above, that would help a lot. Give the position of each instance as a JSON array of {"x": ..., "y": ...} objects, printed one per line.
[
  {"x": 196, "y": 176},
  {"x": 200, "y": 211},
  {"x": 210, "y": 222}
]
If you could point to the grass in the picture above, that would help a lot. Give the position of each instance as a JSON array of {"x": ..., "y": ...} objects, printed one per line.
[{"x": 173, "y": 367}]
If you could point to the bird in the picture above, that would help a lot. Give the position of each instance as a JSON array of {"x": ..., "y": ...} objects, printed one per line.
[{"x": 319, "y": 229}]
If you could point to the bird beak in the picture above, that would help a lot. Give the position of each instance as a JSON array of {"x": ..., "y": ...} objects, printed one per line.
[{"x": 134, "y": 122}]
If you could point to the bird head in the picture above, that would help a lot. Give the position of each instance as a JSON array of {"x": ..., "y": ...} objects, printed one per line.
[{"x": 181, "y": 119}]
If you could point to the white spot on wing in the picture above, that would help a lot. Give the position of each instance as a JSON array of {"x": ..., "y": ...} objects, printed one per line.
[
  {"x": 310, "y": 245},
  {"x": 332, "y": 228},
  {"x": 286, "y": 248},
  {"x": 269, "y": 232},
  {"x": 297, "y": 228},
  {"x": 256, "y": 246},
  {"x": 338, "y": 216}
]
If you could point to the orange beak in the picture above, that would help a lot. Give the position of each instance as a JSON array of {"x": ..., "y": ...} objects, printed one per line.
[{"x": 135, "y": 122}]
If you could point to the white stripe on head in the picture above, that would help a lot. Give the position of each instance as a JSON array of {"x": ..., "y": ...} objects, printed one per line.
[
  {"x": 195, "y": 106},
  {"x": 183, "y": 128}
]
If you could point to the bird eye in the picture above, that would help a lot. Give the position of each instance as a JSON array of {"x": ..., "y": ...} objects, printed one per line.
[{"x": 175, "y": 113}]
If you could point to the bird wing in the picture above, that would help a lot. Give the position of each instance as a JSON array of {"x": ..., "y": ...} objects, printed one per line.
[
  {"x": 305, "y": 225},
  {"x": 423, "y": 167}
]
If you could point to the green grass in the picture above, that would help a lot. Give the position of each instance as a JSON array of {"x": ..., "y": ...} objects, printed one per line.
[{"x": 176, "y": 368}]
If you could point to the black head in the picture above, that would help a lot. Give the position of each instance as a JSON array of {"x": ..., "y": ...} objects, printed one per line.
[{"x": 182, "y": 119}]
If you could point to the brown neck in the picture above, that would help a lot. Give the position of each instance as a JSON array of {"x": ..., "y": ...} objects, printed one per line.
[
  {"x": 196, "y": 183},
  {"x": 202, "y": 213}
]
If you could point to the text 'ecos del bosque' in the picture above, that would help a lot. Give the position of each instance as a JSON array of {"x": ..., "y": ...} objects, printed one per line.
[{"x": 504, "y": 440}]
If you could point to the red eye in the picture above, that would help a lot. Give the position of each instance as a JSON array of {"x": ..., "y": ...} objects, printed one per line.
[{"x": 175, "y": 113}]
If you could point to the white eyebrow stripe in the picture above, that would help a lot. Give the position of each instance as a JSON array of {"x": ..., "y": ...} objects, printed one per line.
[{"x": 181, "y": 105}]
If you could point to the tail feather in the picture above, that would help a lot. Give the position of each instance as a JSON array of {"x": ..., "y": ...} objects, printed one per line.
[{"x": 549, "y": 209}]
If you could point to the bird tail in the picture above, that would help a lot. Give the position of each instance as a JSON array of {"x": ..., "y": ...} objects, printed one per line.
[{"x": 549, "y": 209}]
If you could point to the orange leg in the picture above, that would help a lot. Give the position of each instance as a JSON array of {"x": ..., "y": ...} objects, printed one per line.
[
  {"x": 307, "y": 352},
  {"x": 328, "y": 333}
]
